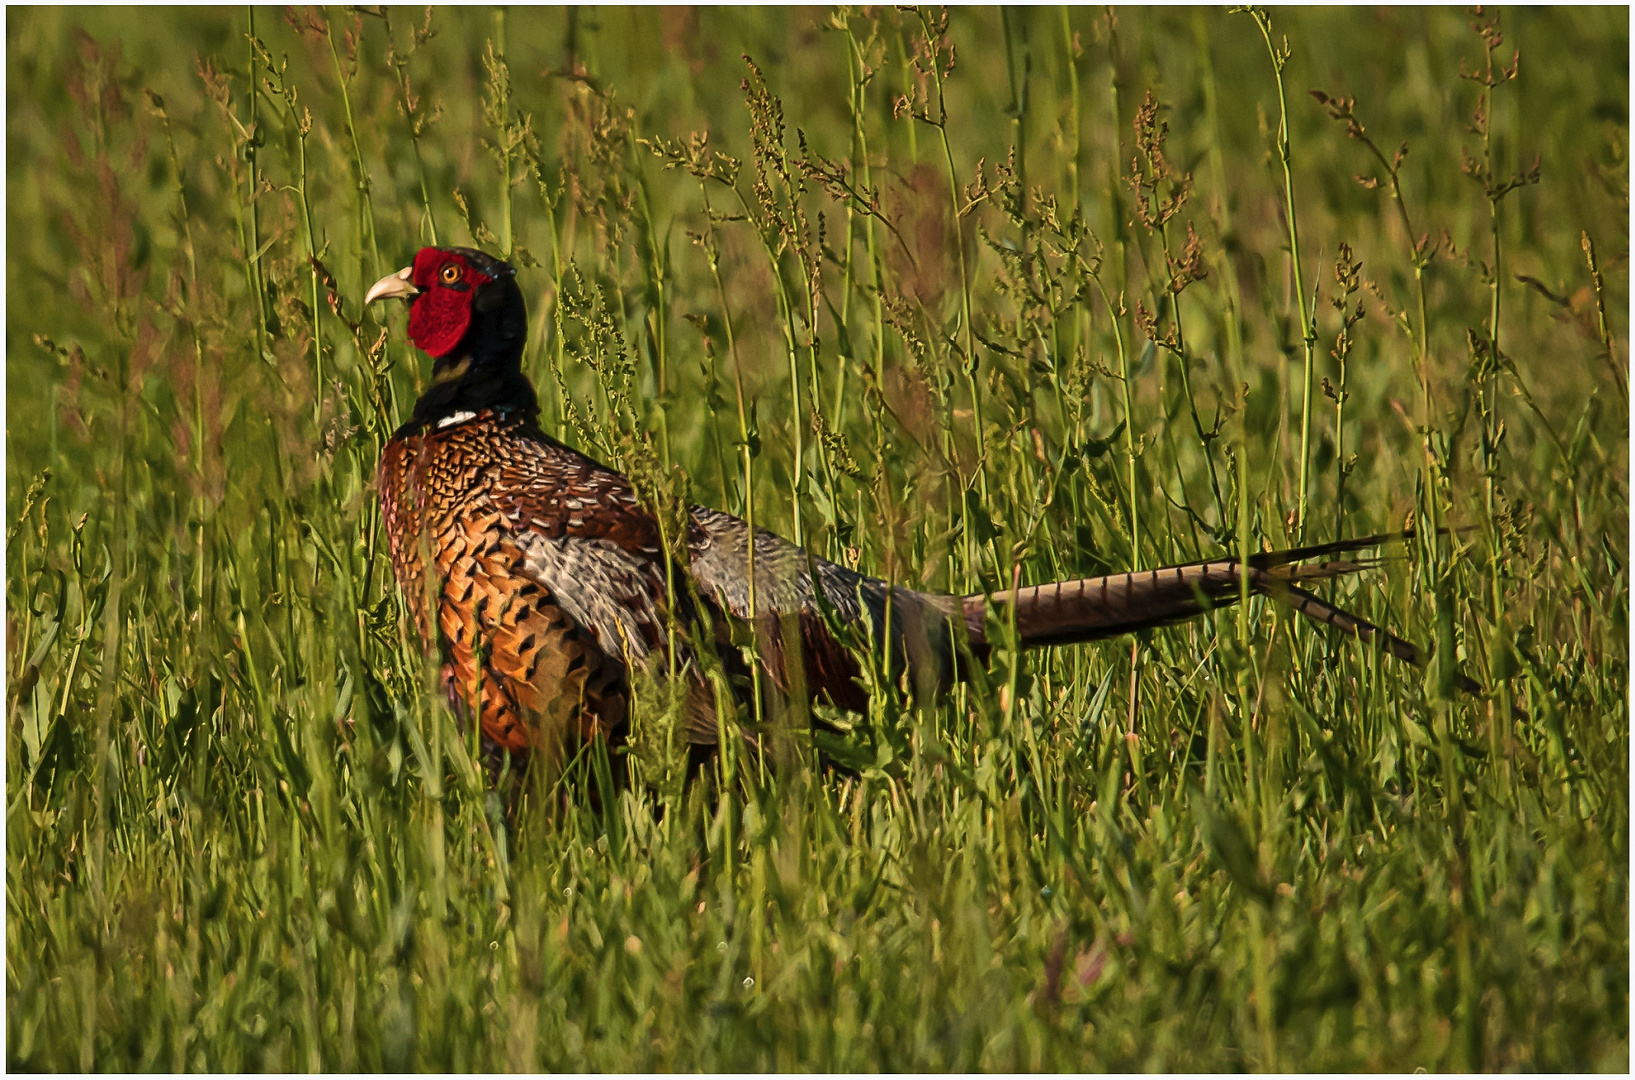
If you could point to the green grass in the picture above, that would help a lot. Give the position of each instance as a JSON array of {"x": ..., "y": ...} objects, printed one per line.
[{"x": 241, "y": 833}]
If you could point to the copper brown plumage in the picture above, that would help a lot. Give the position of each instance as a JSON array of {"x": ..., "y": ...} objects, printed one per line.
[
  {"x": 540, "y": 578},
  {"x": 452, "y": 500}
]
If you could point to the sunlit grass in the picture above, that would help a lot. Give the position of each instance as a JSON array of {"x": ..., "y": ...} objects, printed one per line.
[{"x": 953, "y": 301}]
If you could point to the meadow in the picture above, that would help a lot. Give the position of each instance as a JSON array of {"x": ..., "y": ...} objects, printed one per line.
[{"x": 958, "y": 298}]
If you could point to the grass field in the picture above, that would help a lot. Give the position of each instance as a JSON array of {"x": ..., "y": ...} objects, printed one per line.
[{"x": 1044, "y": 293}]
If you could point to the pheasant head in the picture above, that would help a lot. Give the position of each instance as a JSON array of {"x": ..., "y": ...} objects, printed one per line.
[{"x": 466, "y": 311}]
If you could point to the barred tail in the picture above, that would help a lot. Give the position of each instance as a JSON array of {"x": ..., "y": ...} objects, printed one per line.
[{"x": 1090, "y": 609}]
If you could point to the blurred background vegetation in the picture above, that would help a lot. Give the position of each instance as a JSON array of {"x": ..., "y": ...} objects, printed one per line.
[{"x": 953, "y": 297}]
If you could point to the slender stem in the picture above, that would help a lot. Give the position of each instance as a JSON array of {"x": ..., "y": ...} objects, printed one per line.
[
  {"x": 559, "y": 341},
  {"x": 365, "y": 201},
  {"x": 1339, "y": 448},
  {"x": 1222, "y": 210},
  {"x": 654, "y": 266},
  {"x": 857, "y": 102},
  {"x": 786, "y": 316},
  {"x": 964, "y": 276},
  {"x": 810, "y": 314},
  {"x": 1490, "y": 383},
  {"x": 253, "y": 252},
  {"x": 507, "y": 240},
  {"x": 1417, "y": 330},
  {"x": 1308, "y": 329},
  {"x": 1492, "y": 428},
  {"x": 1422, "y": 359},
  {"x": 425, "y": 202},
  {"x": 1186, "y": 387},
  {"x": 312, "y": 251},
  {"x": 1118, "y": 311},
  {"x": 745, "y": 443},
  {"x": 1114, "y": 312},
  {"x": 1603, "y": 329},
  {"x": 410, "y": 106}
]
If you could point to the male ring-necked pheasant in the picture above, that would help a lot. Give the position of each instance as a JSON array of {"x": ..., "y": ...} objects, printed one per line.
[{"x": 540, "y": 577}]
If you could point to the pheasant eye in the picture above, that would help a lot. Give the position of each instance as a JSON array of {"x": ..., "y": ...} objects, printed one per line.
[{"x": 451, "y": 274}]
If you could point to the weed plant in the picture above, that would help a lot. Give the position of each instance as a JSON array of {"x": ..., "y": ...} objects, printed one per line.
[{"x": 959, "y": 298}]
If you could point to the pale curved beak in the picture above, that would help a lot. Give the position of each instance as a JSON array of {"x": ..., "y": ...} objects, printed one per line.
[{"x": 391, "y": 285}]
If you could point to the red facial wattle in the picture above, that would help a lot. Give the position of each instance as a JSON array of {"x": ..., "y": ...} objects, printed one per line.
[{"x": 441, "y": 314}]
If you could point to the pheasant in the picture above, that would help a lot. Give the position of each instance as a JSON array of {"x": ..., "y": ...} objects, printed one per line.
[{"x": 540, "y": 577}]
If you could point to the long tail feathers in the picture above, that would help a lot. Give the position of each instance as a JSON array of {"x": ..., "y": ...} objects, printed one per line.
[
  {"x": 1319, "y": 610},
  {"x": 1090, "y": 609},
  {"x": 1268, "y": 559}
]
